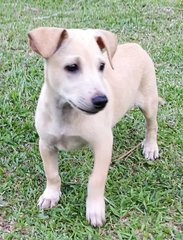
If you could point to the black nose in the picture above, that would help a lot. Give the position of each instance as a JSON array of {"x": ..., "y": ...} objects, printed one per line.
[{"x": 99, "y": 101}]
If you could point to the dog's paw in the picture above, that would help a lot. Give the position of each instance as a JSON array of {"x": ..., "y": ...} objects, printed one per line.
[
  {"x": 150, "y": 150},
  {"x": 49, "y": 198},
  {"x": 95, "y": 211}
]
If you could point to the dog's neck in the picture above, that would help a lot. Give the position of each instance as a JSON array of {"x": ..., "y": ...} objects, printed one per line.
[
  {"x": 63, "y": 105},
  {"x": 59, "y": 102}
]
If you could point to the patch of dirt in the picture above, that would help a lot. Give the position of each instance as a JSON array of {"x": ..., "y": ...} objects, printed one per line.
[{"x": 6, "y": 226}]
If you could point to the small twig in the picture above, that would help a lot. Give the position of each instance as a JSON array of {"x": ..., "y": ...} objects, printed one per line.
[
  {"x": 16, "y": 49},
  {"x": 129, "y": 152}
]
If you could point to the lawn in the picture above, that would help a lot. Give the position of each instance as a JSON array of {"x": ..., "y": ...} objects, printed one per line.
[{"x": 143, "y": 198}]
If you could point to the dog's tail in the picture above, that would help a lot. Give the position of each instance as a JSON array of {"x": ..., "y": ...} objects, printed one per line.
[{"x": 161, "y": 101}]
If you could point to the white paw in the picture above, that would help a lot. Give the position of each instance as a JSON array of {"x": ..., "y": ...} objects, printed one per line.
[
  {"x": 49, "y": 198},
  {"x": 95, "y": 211},
  {"x": 150, "y": 150}
]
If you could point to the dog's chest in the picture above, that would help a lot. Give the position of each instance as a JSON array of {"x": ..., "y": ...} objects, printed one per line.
[
  {"x": 58, "y": 126},
  {"x": 66, "y": 136},
  {"x": 69, "y": 142}
]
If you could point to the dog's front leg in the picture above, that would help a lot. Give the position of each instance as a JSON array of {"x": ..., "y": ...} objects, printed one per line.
[
  {"x": 95, "y": 203},
  {"x": 52, "y": 193}
]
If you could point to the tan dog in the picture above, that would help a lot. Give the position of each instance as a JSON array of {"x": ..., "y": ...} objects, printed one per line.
[{"x": 84, "y": 95}]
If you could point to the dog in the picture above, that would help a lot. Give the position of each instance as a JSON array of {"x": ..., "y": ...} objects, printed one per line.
[{"x": 90, "y": 83}]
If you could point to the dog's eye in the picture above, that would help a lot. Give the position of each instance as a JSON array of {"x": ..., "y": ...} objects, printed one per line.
[
  {"x": 101, "y": 67},
  {"x": 72, "y": 68}
]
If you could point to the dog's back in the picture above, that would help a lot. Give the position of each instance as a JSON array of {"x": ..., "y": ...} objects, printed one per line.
[{"x": 132, "y": 76}]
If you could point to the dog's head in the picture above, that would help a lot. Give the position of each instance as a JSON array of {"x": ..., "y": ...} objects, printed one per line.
[{"x": 75, "y": 63}]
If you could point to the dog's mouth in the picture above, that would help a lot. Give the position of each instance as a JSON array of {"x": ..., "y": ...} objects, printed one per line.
[{"x": 89, "y": 111}]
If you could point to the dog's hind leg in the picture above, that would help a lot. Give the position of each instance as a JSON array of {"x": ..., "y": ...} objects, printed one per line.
[
  {"x": 147, "y": 100},
  {"x": 52, "y": 193},
  {"x": 150, "y": 146},
  {"x": 148, "y": 104}
]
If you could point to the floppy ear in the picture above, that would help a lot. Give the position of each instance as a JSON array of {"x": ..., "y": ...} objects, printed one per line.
[
  {"x": 46, "y": 40},
  {"x": 107, "y": 40}
]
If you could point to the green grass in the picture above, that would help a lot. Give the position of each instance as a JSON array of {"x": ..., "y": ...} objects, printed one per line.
[{"x": 143, "y": 198}]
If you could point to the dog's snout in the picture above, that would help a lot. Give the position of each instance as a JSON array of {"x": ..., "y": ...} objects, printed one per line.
[{"x": 99, "y": 101}]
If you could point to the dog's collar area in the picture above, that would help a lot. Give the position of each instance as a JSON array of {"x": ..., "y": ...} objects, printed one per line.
[{"x": 83, "y": 110}]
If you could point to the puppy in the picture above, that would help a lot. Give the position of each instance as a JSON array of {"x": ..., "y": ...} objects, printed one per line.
[{"x": 85, "y": 93}]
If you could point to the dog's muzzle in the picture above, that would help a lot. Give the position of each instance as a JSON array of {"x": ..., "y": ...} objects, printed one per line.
[{"x": 99, "y": 102}]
